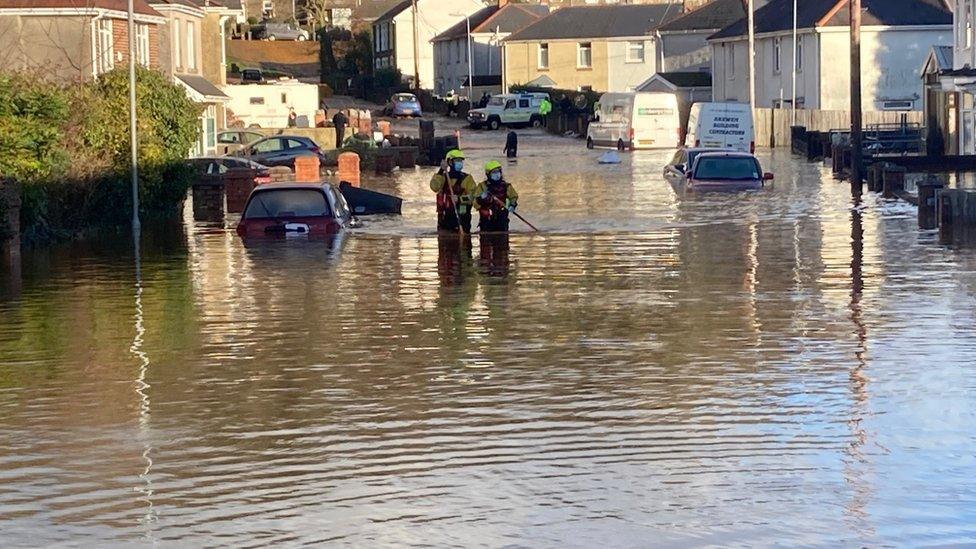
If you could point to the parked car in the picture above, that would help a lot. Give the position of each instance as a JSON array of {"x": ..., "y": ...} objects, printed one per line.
[
  {"x": 229, "y": 141},
  {"x": 403, "y": 104},
  {"x": 721, "y": 126},
  {"x": 636, "y": 120},
  {"x": 216, "y": 166},
  {"x": 294, "y": 209},
  {"x": 517, "y": 109},
  {"x": 683, "y": 162},
  {"x": 280, "y": 31},
  {"x": 726, "y": 171},
  {"x": 252, "y": 76},
  {"x": 280, "y": 150}
]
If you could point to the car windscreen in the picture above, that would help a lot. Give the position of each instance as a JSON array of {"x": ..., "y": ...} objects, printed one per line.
[
  {"x": 726, "y": 168},
  {"x": 285, "y": 203},
  {"x": 497, "y": 101}
]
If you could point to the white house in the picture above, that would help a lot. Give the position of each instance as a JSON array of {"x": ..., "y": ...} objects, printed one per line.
[
  {"x": 394, "y": 33},
  {"x": 488, "y": 27},
  {"x": 949, "y": 76},
  {"x": 684, "y": 40},
  {"x": 896, "y": 36}
]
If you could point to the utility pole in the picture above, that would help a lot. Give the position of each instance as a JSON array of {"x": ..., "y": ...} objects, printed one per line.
[
  {"x": 795, "y": 58},
  {"x": 856, "y": 136},
  {"x": 752, "y": 59},
  {"x": 132, "y": 118},
  {"x": 416, "y": 48}
]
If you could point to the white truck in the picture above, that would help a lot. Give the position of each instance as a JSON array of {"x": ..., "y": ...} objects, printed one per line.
[
  {"x": 509, "y": 109},
  {"x": 635, "y": 120}
]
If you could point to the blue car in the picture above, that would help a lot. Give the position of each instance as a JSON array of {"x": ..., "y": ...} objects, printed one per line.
[{"x": 404, "y": 104}]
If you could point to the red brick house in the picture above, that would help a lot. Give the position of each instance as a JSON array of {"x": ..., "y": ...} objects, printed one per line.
[{"x": 76, "y": 39}]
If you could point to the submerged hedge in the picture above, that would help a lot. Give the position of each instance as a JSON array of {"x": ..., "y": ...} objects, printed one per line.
[{"x": 68, "y": 144}]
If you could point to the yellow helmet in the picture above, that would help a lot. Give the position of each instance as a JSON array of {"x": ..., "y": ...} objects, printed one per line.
[
  {"x": 492, "y": 165},
  {"x": 454, "y": 154}
]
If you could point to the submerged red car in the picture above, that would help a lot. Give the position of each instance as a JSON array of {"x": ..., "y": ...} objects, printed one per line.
[
  {"x": 726, "y": 171},
  {"x": 294, "y": 209}
]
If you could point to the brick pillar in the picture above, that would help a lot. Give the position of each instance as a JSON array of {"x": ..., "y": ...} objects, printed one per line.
[
  {"x": 208, "y": 200},
  {"x": 238, "y": 184},
  {"x": 307, "y": 169}
]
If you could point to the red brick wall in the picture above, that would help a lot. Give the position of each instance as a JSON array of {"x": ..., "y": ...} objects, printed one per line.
[{"x": 120, "y": 35}]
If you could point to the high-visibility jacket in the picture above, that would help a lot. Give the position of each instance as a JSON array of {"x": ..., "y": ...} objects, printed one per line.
[
  {"x": 463, "y": 186},
  {"x": 504, "y": 191},
  {"x": 545, "y": 107}
]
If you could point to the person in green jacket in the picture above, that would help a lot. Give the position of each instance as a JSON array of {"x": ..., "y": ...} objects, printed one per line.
[{"x": 545, "y": 107}]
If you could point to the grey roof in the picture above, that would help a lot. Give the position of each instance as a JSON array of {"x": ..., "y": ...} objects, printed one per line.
[
  {"x": 598, "y": 22},
  {"x": 689, "y": 79},
  {"x": 542, "y": 81},
  {"x": 777, "y": 15},
  {"x": 943, "y": 57},
  {"x": 394, "y": 11},
  {"x": 508, "y": 18},
  {"x": 713, "y": 16},
  {"x": 201, "y": 85}
]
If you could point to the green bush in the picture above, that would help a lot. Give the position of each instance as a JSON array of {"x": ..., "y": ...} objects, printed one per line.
[{"x": 69, "y": 147}]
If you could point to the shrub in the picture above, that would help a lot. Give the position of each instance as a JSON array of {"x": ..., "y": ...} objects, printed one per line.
[{"x": 69, "y": 147}]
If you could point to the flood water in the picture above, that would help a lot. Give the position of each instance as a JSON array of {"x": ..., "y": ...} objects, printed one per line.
[{"x": 651, "y": 370}]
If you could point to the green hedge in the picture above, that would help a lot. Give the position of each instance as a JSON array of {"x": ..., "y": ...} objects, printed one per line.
[{"x": 68, "y": 144}]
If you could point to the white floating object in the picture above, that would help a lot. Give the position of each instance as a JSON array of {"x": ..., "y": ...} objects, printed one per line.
[{"x": 610, "y": 157}]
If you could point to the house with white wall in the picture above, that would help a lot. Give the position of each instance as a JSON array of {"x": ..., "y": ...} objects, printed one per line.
[
  {"x": 949, "y": 77},
  {"x": 395, "y": 31},
  {"x": 896, "y": 37},
  {"x": 489, "y": 26}
]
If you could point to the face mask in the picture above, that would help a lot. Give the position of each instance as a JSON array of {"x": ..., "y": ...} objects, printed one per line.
[
  {"x": 458, "y": 165},
  {"x": 495, "y": 176}
]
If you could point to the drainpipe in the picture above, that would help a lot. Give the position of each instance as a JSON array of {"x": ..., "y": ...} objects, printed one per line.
[
  {"x": 659, "y": 46},
  {"x": 223, "y": 49}
]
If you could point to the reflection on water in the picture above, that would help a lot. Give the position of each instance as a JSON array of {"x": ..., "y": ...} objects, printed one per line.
[{"x": 726, "y": 369}]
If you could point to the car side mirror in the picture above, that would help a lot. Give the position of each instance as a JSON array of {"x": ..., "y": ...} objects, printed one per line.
[{"x": 767, "y": 176}]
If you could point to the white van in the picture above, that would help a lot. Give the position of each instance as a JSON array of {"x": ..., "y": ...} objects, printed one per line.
[
  {"x": 637, "y": 120},
  {"x": 721, "y": 126}
]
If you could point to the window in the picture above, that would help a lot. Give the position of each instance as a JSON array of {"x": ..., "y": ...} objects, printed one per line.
[
  {"x": 257, "y": 101},
  {"x": 457, "y": 52},
  {"x": 799, "y": 53},
  {"x": 777, "y": 55},
  {"x": 105, "y": 57},
  {"x": 210, "y": 127},
  {"x": 586, "y": 88},
  {"x": 284, "y": 98},
  {"x": 523, "y": 103},
  {"x": 269, "y": 146},
  {"x": 177, "y": 46},
  {"x": 510, "y": 104},
  {"x": 191, "y": 50},
  {"x": 584, "y": 57},
  {"x": 142, "y": 45},
  {"x": 730, "y": 60},
  {"x": 543, "y": 56},
  {"x": 296, "y": 144},
  {"x": 635, "y": 52},
  {"x": 968, "y": 39}
]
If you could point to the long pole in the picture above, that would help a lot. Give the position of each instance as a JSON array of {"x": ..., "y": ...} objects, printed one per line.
[
  {"x": 132, "y": 118},
  {"x": 416, "y": 48},
  {"x": 752, "y": 58},
  {"x": 795, "y": 57},
  {"x": 470, "y": 72},
  {"x": 856, "y": 136}
]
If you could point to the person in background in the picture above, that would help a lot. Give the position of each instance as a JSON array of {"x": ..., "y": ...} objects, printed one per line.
[
  {"x": 545, "y": 107},
  {"x": 495, "y": 199},
  {"x": 292, "y": 118},
  {"x": 455, "y": 193},
  {"x": 452, "y": 102},
  {"x": 339, "y": 121},
  {"x": 511, "y": 145}
]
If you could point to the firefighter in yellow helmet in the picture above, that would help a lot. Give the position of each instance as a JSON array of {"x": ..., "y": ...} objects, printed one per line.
[
  {"x": 495, "y": 199},
  {"x": 455, "y": 193}
]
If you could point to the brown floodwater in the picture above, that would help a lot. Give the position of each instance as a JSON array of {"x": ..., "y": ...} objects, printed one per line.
[{"x": 653, "y": 369}]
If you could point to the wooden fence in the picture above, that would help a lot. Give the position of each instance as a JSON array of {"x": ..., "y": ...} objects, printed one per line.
[{"x": 773, "y": 125}]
